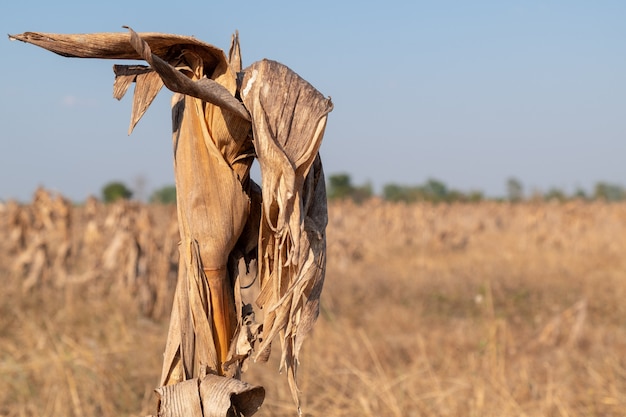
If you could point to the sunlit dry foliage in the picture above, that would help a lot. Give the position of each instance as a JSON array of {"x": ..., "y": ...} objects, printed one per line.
[
  {"x": 223, "y": 118},
  {"x": 483, "y": 309}
]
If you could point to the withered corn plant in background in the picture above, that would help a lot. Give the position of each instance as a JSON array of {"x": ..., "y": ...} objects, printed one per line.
[{"x": 234, "y": 234}]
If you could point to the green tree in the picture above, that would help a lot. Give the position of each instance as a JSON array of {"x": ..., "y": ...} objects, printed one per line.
[
  {"x": 362, "y": 193},
  {"x": 395, "y": 192},
  {"x": 555, "y": 194},
  {"x": 609, "y": 192},
  {"x": 580, "y": 194},
  {"x": 339, "y": 186},
  {"x": 514, "y": 189},
  {"x": 164, "y": 195},
  {"x": 475, "y": 196},
  {"x": 114, "y": 191},
  {"x": 435, "y": 190},
  {"x": 408, "y": 194}
]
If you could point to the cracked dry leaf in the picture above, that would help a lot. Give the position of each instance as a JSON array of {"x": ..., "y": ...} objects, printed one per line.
[
  {"x": 288, "y": 130},
  {"x": 225, "y": 220},
  {"x": 147, "y": 85},
  {"x": 210, "y": 396}
]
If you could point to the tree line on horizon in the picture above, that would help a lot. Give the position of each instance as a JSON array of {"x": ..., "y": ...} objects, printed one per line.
[{"x": 341, "y": 187}]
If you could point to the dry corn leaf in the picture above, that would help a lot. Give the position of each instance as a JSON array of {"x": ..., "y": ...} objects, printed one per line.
[
  {"x": 222, "y": 214},
  {"x": 213, "y": 209},
  {"x": 147, "y": 85},
  {"x": 288, "y": 130},
  {"x": 210, "y": 396},
  {"x": 234, "y": 53},
  {"x": 163, "y": 47},
  {"x": 116, "y": 45}
]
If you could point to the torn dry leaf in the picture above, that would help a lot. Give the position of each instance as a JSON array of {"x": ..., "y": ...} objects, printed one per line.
[
  {"x": 223, "y": 118},
  {"x": 210, "y": 396}
]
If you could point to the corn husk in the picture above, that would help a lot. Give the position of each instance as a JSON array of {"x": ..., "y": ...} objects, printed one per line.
[
  {"x": 225, "y": 219},
  {"x": 288, "y": 130}
]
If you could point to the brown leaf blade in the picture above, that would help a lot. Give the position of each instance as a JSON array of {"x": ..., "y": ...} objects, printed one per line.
[
  {"x": 210, "y": 396},
  {"x": 289, "y": 117},
  {"x": 116, "y": 45},
  {"x": 147, "y": 86},
  {"x": 211, "y": 162},
  {"x": 221, "y": 395},
  {"x": 180, "y": 400},
  {"x": 204, "y": 88},
  {"x": 220, "y": 212}
]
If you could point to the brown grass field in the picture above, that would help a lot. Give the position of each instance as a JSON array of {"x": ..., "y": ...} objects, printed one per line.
[{"x": 489, "y": 309}]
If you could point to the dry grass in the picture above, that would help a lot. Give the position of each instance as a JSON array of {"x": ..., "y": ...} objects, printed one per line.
[{"x": 461, "y": 310}]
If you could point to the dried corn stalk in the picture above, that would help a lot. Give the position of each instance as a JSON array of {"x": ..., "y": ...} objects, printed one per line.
[{"x": 224, "y": 219}]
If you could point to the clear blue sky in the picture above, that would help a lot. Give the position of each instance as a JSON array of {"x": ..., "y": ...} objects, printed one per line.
[{"x": 467, "y": 92}]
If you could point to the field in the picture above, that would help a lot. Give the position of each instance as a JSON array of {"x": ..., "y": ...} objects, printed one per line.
[{"x": 489, "y": 309}]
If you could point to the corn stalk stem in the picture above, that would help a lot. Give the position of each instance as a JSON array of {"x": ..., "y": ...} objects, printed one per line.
[{"x": 222, "y": 311}]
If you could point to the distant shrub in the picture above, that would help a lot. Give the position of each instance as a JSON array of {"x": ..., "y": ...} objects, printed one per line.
[
  {"x": 164, "y": 195},
  {"x": 114, "y": 191}
]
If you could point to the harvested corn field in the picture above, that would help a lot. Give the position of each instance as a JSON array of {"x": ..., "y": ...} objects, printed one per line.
[{"x": 483, "y": 309}]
